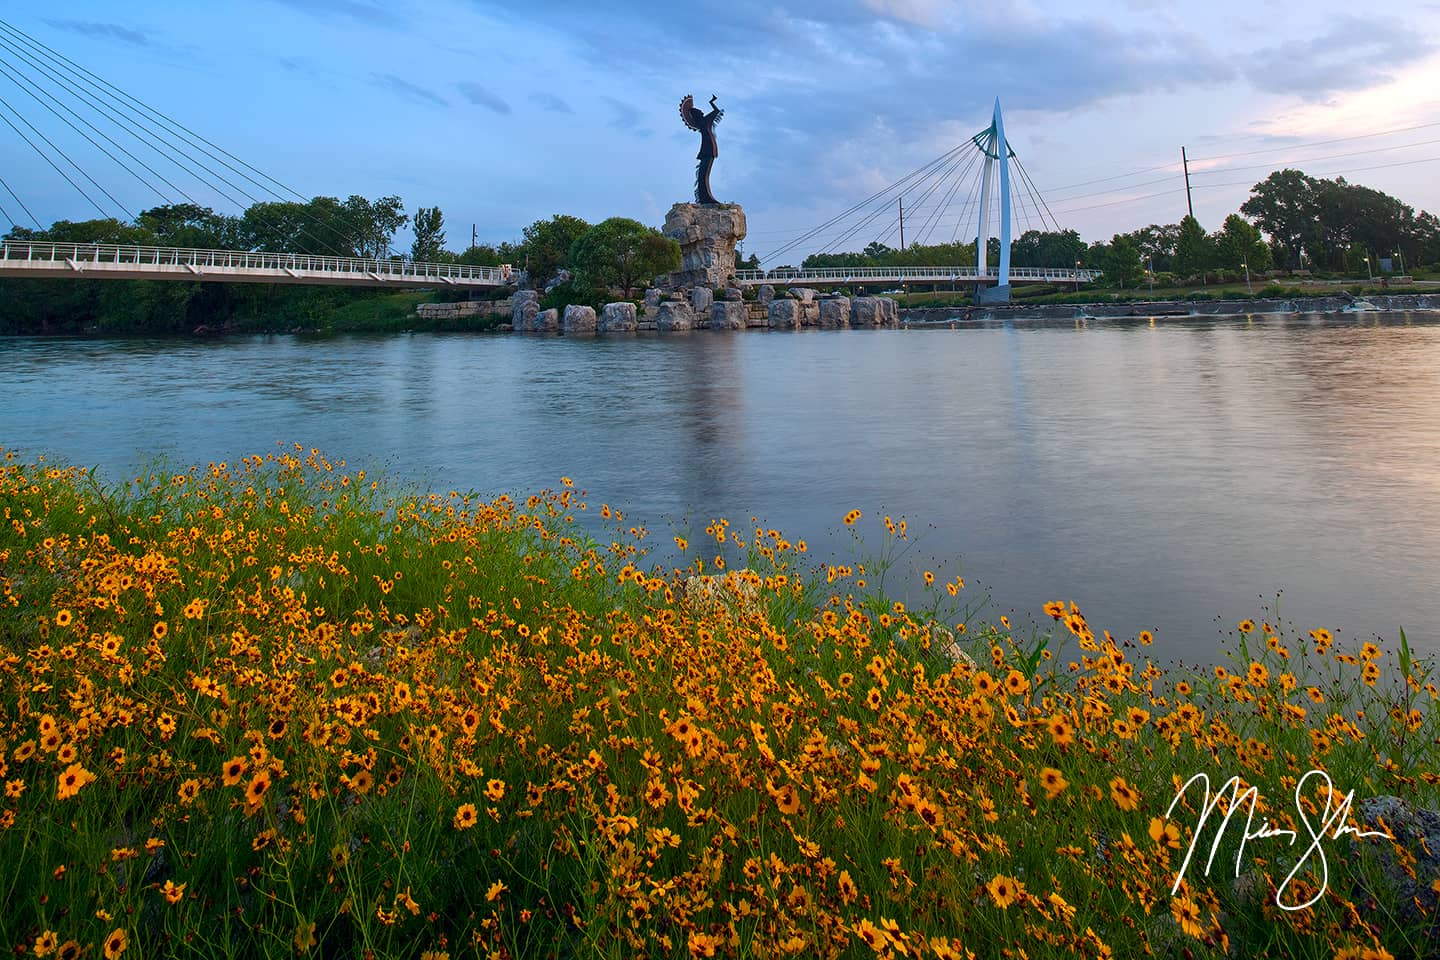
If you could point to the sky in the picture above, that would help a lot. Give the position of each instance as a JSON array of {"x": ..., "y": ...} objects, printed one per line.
[{"x": 502, "y": 114}]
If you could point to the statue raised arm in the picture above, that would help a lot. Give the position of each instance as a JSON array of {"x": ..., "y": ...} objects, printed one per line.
[{"x": 703, "y": 124}]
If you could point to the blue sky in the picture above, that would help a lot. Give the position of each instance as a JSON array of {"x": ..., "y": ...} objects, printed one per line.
[{"x": 504, "y": 114}]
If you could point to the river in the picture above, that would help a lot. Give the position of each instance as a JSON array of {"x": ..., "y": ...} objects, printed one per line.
[{"x": 1176, "y": 476}]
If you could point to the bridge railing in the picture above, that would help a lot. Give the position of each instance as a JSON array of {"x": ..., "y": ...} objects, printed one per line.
[
  {"x": 79, "y": 253},
  {"x": 903, "y": 274}
]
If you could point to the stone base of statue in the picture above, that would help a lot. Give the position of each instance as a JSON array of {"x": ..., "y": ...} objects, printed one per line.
[{"x": 707, "y": 234}]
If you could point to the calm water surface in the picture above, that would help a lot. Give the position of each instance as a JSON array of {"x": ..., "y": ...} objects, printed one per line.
[{"x": 1177, "y": 477}]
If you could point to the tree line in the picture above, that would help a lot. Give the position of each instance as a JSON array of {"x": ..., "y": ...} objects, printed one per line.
[
  {"x": 615, "y": 254},
  {"x": 1291, "y": 221}
]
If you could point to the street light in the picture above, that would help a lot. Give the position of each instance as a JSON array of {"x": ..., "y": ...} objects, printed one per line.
[
  {"x": 1150, "y": 269},
  {"x": 1402, "y": 262},
  {"x": 1368, "y": 272},
  {"x": 1248, "y": 289},
  {"x": 1077, "y": 276}
]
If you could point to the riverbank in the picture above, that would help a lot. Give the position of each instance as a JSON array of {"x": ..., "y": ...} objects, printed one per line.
[
  {"x": 1172, "y": 308},
  {"x": 284, "y": 706}
]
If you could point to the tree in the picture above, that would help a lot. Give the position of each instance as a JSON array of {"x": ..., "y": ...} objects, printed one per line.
[
  {"x": 1286, "y": 206},
  {"x": 429, "y": 234},
  {"x": 1121, "y": 265},
  {"x": 619, "y": 251},
  {"x": 190, "y": 225},
  {"x": 322, "y": 226},
  {"x": 1156, "y": 244},
  {"x": 108, "y": 230},
  {"x": 480, "y": 255},
  {"x": 1239, "y": 245},
  {"x": 372, "y": 225},
  {"x": 1194, "y": 252},
  {"x": 547, "y": 247}
]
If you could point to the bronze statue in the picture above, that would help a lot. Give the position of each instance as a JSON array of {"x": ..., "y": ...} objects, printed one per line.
[{"x": 703, "y": 124}]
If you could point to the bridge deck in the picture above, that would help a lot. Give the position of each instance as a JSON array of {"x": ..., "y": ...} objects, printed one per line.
[
  {"x": 857, "y": 275},
  {"x": 124, "y": 262}
]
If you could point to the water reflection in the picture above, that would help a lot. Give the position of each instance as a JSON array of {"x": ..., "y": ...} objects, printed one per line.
[{"x": 1159, "y": 473}]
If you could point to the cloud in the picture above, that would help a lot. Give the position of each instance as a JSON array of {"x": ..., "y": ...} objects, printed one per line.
[
  {"x": 1353, "y": 54},
  {"x": 482, "y": 97},
  {"x": 408, "y": 90},
  {"x": 626, "y": 118},
  {"x": 550, "y": 103},
  {"x": 296, "y": 65},
  {"x": 363, "y": 11},
  {"x": 104, "y": 31}
]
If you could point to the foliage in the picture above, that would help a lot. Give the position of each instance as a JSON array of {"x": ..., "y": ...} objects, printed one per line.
[
  {"x": 275, "y": 708},
  {"x": 574, "y": 292},
  {"x": 429, "y": 240},
  {"x": 1322, "y": 219},
  {"x": 189, "y": 225},
  {"x": 547, "y": 247},
  {"x": 1239, "y": 245},
  {"x": 1194, "y": 250},
  {"x": 1121, "y": 264},
  {"x": 618, "y": 252}
]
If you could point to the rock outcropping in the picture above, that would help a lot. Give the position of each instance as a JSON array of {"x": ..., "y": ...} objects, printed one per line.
[
  {"x": 785, "y": 314},
  {"x": 675, "y": 315},
  {"x": 618, "y": 318},
  {"x": 524, "y": 306},
  {"x": 707, "y": 235},
  {"x": 578, "y": 320},
  {"x": 727, "y": 315},
  {"x": 874, "y": 312}
]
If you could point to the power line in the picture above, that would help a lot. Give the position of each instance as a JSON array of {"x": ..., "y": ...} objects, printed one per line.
[
  {"x": 1333, "y": 156},
  {"x": 1319, "y": 143}
]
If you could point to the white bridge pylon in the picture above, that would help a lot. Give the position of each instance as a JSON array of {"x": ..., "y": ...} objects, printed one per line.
[{"x": 991, "y": 142}]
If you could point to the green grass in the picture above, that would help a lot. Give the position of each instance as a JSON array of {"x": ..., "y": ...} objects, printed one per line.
[{"x": 298, "y": 702}]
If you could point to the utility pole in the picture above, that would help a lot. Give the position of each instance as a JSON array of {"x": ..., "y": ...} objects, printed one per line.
[
  {"x": 1186, "y": 161},
  {"x": 474, "y": 237},
  {"x": 902, "y": 224}
]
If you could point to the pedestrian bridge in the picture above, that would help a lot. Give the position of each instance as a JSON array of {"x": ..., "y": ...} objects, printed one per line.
[
  {"x": 848, "y": 276},
  {"x": 108, "y": 261}
]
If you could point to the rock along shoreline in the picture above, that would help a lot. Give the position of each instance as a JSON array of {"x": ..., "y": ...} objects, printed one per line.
[{"x": 1158, "y": 309}]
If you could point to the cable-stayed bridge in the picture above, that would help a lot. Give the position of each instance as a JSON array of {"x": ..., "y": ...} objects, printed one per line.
[
  {"x": 164, "y": 156},
  {"x": 853, "y": 276},
  {"x": 111, "y": 261}
]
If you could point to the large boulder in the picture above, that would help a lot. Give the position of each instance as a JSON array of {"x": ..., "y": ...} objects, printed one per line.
[
  {"x": 891, "y": 311},
  {"x": 785, "y": 314},
  {"x": 734, "y": 293},
  {"x": 675, "y": 315},
  {"x": 546, "y": 321},
  {"x": 809, "y": 313},
  {"x": 835, "y": 312},
  {"x": 804, "y": 294},
  {"x": 618, "y": 318},
  {"x": 707, "y": 234},
  {"x": 766, "y": 293},
  {"x": 577, "y": 319},
  {"x": 874, "y": 312},
  {"x": 700, "y": 300},
  {"x": 523, "y": 307},
  {"x": 653, "y": 296},
  {"x": 727, "y": 315}
]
